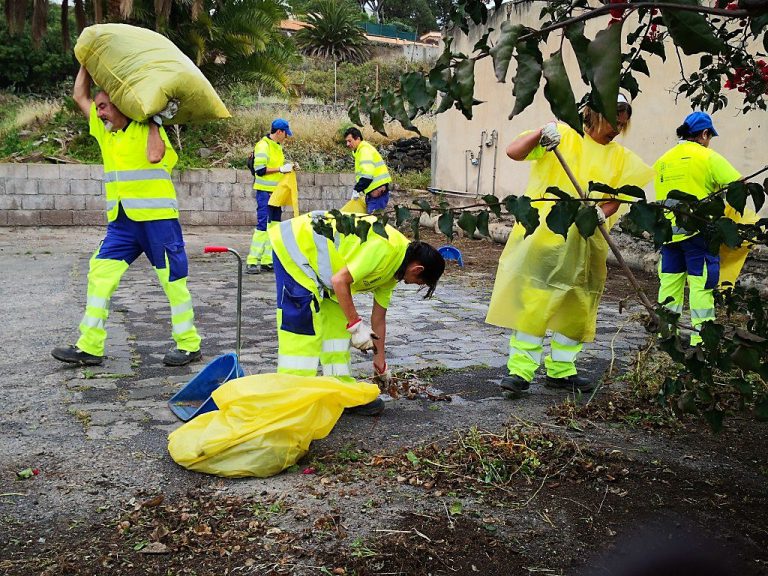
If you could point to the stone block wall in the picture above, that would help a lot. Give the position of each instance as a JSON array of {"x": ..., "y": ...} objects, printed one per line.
[{"x": 72, "y": 195}]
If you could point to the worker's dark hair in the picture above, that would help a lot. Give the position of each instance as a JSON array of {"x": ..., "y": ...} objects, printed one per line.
[
  {"x": 684, "y": 131},
  {"x": 354, "y": 132},
  {"x": 427, "y": 256}
]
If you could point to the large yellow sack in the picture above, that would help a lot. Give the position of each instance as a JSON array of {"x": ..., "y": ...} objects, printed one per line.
[
  {"x": 356, "y": 206},
  {"x": 732, "y": 259},
  {"x": 264, "y": 423},
  {"x": 286, "y": 193},
  {"x": 142, "y": 71}
]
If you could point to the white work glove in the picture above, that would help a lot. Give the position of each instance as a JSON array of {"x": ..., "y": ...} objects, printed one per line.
[
  {"x": 550, "y": 137},
  {"x": 168, "y": 112},
  {"x": 355, "y": 195},
  {"x": 600, "y": 215},
  {"x": 285, "y": 168},
  {"x": 382, "y": 376},
  {"x": 362, "y": 336}
]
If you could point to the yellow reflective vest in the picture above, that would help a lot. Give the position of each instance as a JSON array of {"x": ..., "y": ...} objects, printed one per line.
[
  {"x": 267, "y": 154},
  {"x": 694, "y": 169},
  {"x": 312, "y": 259},
  {"x": 369, "y": 164},
  {"x": 144, "y": 189}
]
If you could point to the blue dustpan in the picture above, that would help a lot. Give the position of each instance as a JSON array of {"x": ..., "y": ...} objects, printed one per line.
[
  {"x": 195, "y": 398},
  {"x": 451, "y": 253}
]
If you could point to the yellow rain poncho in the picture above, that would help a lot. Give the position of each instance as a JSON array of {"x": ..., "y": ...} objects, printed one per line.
[
  {"x": 264, "y": 423},
  {"x": 544, "y": 281}
]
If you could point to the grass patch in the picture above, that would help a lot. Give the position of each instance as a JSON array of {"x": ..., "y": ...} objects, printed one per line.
[{"x": 38, "y": 130}]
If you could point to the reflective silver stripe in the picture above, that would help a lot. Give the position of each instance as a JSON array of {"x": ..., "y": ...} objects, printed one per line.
[
  {"x": 529, "y": 338},
  {"x": 564, "y": 340},
  {"x": 534, "y": 355},
  {"x": 371, "y": 162},
  {"x": 297, "y": 362},
  {"x": 97, "y": 302},
  {"x": 380, "y": 178},
  {"x": 92, "y": 322},
  {"x": 670, "y": 202},
  {"x": 559, "y": 355},
  {"x": 133, "y": 175},
  {"x": 702, "y": 313},
  {"x": 261, "y": 155},
  {"x": 257, "y": 245},
  {"x": 336, "y": 345},
  {"x": 679, "y": 230},
  {"x": 182, "y": 327},
  {"x": 323, "y": 261},
  {"x": 359, "y": 175},
  {"x": 289, "y": 240},
  {"x": 265, "y": 182},
  {"x": 336, "y": 370},
  {"x": 257, "y": 167},
  {"x": 153, "y": 203},
  {"x": 183, "y": 307},
  {"x": 111, "y": 204}
]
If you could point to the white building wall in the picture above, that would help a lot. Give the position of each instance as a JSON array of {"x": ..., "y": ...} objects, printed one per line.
[{"x": 656, "y": 115}]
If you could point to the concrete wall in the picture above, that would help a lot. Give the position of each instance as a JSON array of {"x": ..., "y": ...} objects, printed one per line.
[
  {"x": 656, "y": 115},
  {"x": 72, "y": 194}
]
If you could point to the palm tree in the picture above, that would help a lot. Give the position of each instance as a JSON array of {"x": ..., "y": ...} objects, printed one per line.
[
  {"x": 333, "y": 33},
  {"x": 233, "y": 41}
]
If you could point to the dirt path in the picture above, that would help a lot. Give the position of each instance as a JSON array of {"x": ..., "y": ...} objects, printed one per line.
[{"x": 453, "y": 480}]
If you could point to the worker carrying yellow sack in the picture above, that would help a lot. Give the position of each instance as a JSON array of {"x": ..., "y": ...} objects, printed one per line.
[
  {"x": 145, "y": 74},
  {"x": 545, "y": 282},
  {"x": 264, "y": 423}
]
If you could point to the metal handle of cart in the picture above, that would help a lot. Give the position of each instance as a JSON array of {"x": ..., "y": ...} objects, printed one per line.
[{"x": 215, "y": 249}]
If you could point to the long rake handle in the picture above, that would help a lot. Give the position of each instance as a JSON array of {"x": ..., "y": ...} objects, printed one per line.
[{"x": 644, "y": 300}]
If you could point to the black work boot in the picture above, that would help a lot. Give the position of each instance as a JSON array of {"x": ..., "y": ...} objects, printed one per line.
[
  {"x": 73, "y": 355},
  {"x": 253, "y": 269},
  {"x": 176, "y": 357},
  {"x": 514, "y": 386},
  {"x": 267, "y": 268},
  {"x": 570, "y": 383},
  {"x": 371, "y": 409}
]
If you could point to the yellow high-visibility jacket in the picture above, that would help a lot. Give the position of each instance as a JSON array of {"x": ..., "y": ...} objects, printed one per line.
[
  {"x": 144, "y": 189},
  {"x": 369, "y": 164},
  {"x": 267, "y": 154},
  {"x": 312, "y": 259}
]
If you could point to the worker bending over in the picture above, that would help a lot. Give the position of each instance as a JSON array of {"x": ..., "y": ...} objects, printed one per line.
[{"x": 316, "y": 278}]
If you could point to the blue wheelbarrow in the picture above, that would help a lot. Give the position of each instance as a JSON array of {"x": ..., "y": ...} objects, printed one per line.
[{"x": 195, "y": 397}]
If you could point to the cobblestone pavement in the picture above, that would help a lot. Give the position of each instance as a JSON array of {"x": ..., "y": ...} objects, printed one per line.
[{"x": 102, "y": 431}]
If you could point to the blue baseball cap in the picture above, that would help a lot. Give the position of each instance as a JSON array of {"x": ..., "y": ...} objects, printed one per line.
[
  {"x": 698, "y": 121},
  {"x": 282, "y": 124}
]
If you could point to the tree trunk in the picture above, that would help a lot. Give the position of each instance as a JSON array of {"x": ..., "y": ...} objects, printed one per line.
[
  {"x": 80, "y": 15},
  {"x": 39, "y": 20},
  {"x": 15, "y": 15},
  {"x": 65, "y": 25}
]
